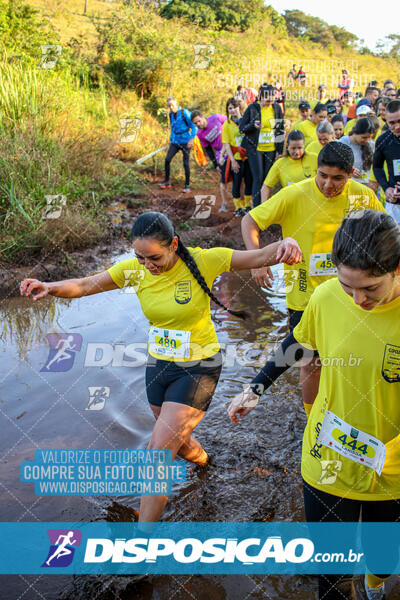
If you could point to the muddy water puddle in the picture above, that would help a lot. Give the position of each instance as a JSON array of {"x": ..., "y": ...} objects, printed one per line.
[{"x": 255, "y": 473}]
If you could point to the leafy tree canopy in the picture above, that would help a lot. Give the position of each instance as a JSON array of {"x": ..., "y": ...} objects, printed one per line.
[{"x": 315, "y": 29}]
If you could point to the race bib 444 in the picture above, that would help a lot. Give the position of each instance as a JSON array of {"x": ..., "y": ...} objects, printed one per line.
[{"x": 352, "y": 443}]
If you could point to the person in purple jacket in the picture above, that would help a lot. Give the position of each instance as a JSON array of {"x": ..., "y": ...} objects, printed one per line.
[{"x": 210, "y": 135}]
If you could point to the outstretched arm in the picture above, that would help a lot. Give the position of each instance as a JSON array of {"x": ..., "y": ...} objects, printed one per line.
[
  {"x": 286, "y": 251},
  {"x": 69, "y": 288},
  {"x": 289, "y": 352}
]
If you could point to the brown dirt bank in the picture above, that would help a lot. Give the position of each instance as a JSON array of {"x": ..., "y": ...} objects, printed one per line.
[{"x": 218, "y": 229}]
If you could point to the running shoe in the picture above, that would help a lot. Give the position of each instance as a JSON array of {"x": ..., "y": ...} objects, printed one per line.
[
  {"x": 247, "y": 209},
  {"x": 224, "y": 208},
  {"x": 186, "y": 189},
  {"x": 239, "y": 212},
  {"x": 374, "y": 593},
  {"x": 164, "y": 184}
]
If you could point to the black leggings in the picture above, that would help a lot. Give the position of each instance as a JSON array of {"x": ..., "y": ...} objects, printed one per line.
[
  {"x": 320, "y": 506},
  {"x": 265, "y": 160},
  {"x": 172, "y": 150},
  {"x": 260, "y": 163},
  {"x": 244, "y": 173}
]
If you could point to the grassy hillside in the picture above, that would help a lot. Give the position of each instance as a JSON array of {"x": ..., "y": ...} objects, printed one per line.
[{"x": 60, "y": 128}]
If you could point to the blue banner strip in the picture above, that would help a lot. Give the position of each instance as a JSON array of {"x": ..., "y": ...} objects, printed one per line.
[{"x": 199, "y": 548}]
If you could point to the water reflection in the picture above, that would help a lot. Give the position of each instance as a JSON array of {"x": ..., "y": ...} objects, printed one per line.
[{"x": 255, "y": 475}]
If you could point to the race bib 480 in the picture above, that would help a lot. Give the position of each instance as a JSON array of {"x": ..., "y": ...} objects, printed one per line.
[{"x": 169, "y": 342}]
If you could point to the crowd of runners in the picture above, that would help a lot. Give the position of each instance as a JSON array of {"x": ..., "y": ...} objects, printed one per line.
[{"x": 338, "y": 169}]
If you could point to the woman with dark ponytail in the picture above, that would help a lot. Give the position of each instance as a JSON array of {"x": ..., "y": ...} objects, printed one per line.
[
  {"x": 353, "y": 321},
  {"x": 173, "y": 284}
]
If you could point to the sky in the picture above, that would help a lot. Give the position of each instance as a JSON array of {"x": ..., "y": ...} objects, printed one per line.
[{"x": 369, "y": 24}]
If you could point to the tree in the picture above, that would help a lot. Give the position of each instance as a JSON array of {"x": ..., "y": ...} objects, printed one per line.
[
  {"x": 394, "y": 39},
  {"x": 343, "y": 37},
  {"x": 216, "y": 14},
  {"x": 299, "y": 24}
]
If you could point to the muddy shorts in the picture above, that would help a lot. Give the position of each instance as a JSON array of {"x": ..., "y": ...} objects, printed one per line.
[{"x": 190, "y": 383}]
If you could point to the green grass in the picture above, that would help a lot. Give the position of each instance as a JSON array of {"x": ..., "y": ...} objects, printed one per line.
[{"x": 59, "y": 135}]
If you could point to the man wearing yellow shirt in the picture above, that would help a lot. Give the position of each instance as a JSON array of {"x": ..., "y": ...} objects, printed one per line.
[
  {"x": 295, "y": 166},
  {"x": 354, "y": 324},
  {"x": 309, "y": 128},
  {"x": 305, "y": 113},
  {"x": 311, "y": 212}
]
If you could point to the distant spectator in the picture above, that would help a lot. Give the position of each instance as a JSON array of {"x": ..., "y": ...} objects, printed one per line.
[
  {"x": 346, "y": 84},
  {"x": 280, "y": 95},
  {"x": 292, "y": 75},
  {"x": 301, "y": 76}
]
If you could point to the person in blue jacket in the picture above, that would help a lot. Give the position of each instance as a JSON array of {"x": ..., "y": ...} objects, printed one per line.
[{"x": 182, "y": 134}]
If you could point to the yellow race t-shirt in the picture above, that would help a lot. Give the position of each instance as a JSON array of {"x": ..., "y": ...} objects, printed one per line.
[
  {"x": 309, "y": 130},
  {"x": 232, "y": 136},
  {"x": 306, "y": 215},
  {"x": 297, "y": 123},
  {"x": 349, "y": 126},
  {"x": 360, "y": 384},
  {"x": 314, "y": 147},
  {"x": 287, "y": 171},
  {"x": 174, "y": 299},
  {"x": 266, "y": 138}
]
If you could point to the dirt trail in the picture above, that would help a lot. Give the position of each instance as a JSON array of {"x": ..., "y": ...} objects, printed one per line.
[{"x": 218, "y": 229}]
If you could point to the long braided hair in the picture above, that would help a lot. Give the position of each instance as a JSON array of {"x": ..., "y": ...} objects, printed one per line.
[{"x": 158, "y": 226}]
